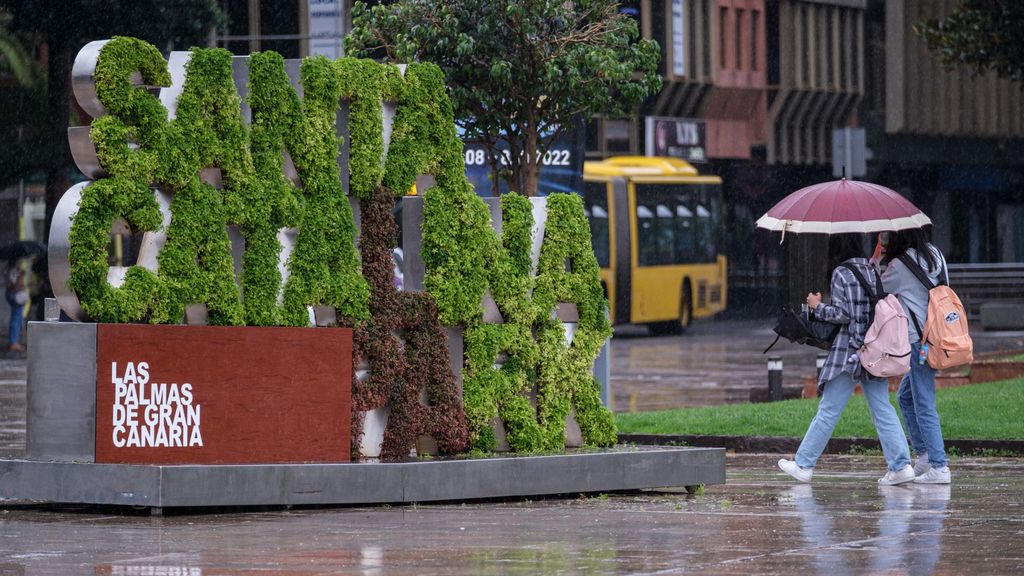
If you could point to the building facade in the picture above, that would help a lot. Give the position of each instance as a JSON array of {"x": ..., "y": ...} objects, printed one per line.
[
  {"x": 773, "y": 80},
  {"x": 754, "y": 92},
  {"x": 951, "y": 142}
]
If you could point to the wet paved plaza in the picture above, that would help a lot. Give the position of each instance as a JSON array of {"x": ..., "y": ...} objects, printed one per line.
[
  {"x": 758, "y": 523},
  {"x": 721, "y": 361}
]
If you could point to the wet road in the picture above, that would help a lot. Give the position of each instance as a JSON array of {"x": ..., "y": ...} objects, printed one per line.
[
  {"x": 758, "y": 523},
  {"x": 719, "y": 362}
]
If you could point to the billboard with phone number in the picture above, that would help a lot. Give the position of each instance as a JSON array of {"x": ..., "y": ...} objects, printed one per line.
[{"x": 561, "y": 167}]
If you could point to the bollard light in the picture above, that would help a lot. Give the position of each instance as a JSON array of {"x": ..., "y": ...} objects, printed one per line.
[{"x": 774, "y": 378}]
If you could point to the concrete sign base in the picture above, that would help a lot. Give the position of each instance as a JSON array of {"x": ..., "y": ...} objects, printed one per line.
[
  {"x": 158, "y": 487},
  {"x": 62, "y": 467}
]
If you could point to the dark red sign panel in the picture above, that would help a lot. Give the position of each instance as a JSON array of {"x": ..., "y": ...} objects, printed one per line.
[{"x": 222, "y": 395}]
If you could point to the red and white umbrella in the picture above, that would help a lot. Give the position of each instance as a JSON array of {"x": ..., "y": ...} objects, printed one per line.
[{"x": 843, "y": 206}]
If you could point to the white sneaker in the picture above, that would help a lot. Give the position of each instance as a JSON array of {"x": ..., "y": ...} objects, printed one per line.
[
  {"x": 799, "y": 472},
  {"x": 935, "y": 476},
  {"x": 922, "y": 465},
  {"x": 901, "y": 476}
]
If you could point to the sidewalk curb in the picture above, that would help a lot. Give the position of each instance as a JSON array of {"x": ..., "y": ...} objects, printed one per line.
[{"x": 788, "y": 445}]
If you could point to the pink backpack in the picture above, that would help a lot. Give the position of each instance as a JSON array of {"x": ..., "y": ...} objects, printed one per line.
[{"x": 886, "y": 349}]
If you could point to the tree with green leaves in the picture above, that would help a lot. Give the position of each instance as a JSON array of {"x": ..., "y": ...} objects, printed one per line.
[
  {"x": 520, "y": 72},
  {"x": 64, "y": 27},
  {"x": 21, "y": 105},
  {"x": 982, "y": 34}
]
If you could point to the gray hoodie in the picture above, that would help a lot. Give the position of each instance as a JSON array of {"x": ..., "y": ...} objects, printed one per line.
[{"x": 898, "y": 279}]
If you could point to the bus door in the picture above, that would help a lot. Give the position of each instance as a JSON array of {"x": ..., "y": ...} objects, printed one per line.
[{"x": 605, "y": 203}]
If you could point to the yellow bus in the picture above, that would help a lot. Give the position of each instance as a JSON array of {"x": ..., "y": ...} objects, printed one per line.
[{"x": 655, "y": 226}]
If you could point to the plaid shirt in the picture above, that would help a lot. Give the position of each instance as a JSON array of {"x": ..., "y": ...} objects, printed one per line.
[{"x": 850, "y": 308}]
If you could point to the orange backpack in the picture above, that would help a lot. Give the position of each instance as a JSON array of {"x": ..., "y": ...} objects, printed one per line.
[{"x": 945, "y": 329}]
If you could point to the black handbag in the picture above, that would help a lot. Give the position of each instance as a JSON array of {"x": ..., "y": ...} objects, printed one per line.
[{"x": 797, "y": 327}]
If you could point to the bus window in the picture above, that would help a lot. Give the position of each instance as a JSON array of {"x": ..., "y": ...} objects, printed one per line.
[
  {"x": 647, "y": 234},
  {"x": 595, "y": 204},
  {"x": 666, "y": 224},
  {"x": 686, "y": 246},
  {"x": 678, "y": 223},
  {"x": 666, "y": 234}
]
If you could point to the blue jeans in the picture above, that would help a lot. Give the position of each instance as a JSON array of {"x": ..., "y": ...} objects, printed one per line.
[
  {"x": 917, "y": 403},
  {"x": 837, "y": 391},
  {"x": 17, "y": 318}
]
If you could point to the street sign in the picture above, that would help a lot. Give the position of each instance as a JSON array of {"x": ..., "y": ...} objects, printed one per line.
[{"x": 849, "y": 153}]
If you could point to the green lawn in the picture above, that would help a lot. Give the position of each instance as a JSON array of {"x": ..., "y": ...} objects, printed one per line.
[{"x": 980, "y": 411}]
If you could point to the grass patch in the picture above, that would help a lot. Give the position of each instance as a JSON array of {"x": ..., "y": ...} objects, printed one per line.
[{"x": 991, "y": 411}]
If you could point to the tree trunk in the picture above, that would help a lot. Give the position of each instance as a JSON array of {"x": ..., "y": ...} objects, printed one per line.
[
  {"x": 58, "y": 105},
  {"x": 530, "y": 162}
]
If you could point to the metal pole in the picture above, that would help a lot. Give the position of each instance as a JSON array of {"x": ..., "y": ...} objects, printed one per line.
[
  {"x": 774, "y": 378},
  {"x": 820, "y": 363}
]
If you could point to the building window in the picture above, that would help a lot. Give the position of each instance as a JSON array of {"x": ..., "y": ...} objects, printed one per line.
[
  {"x": 617, "y": 136},
  {"x": 279, "y": 27},
  {"x": 755, "y": 37},
  {"x": 592, "y": 138},
  {"x": 664, "y": 33},
  {"x": 830, "y": 48},
  {"x": 803, "y": 23},
  {"x": 771, "y": 40},
  {"x": 693, "y": 50},
  {"x": 854, "y": 51},
  {"x": 843, "y": 51},
  {"x": 236, "y": 31},
  {"x": 821, "y": 48},
  {"x": 723, "y": 14},
  {"x": 706, "y": 28},
  {"x": 738, "y": 39}
]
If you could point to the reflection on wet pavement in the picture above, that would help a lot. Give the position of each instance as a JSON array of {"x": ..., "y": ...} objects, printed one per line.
[
  {"x": 906, "y": 537},
  {"x": 758, "y": 523}
]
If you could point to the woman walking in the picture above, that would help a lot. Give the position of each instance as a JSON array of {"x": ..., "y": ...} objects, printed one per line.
[
  {"x": 17, "y": 296},
  {"x": 917, "y": 389},
  {"x": 850, "y": 309}
]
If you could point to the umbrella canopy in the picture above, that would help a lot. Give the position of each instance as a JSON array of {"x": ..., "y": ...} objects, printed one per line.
[
  {"x": 843, "y": 206},
  {"x": 21, "y": 249}
]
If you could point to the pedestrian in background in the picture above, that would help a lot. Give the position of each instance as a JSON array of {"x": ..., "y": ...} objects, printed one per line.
[
  {"x": 17, "y": 297},
  {"x": 916, "y": 394},
  {"x": 850, "y": 309}
]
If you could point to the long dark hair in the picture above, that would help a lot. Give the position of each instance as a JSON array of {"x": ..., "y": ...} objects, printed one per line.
[
  {"x": 842, "y": 247},
  {"x": 915, "y": 238}
]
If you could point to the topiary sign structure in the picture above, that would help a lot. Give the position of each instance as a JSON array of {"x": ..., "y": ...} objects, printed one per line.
[{"x": 221, "y": 159}]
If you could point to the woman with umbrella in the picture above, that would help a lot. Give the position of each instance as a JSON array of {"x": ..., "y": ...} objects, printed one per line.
[
  {"x": 850, "y": 309},
  {"x": 17, "y": 297},
  {"x": 846, "y": 210},
  {"x": 16, "y": 292}
]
